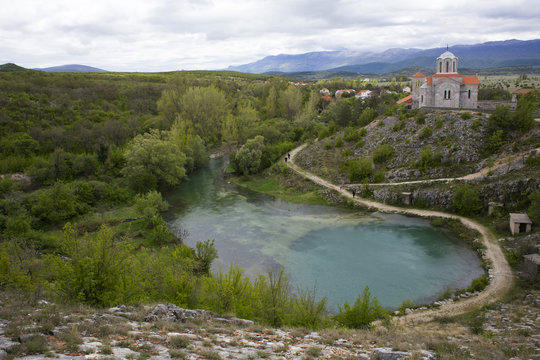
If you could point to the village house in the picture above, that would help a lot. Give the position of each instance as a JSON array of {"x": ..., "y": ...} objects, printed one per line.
[
  {"x": 344, "y": 91},
  {"x": 445, "y": 89},
  {"x": 363, "y": 94},
  {"x": 406, "y": 89},
  {"x": 325, "y": 91}
]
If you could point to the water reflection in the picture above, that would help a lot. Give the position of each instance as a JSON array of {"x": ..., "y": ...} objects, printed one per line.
[{"x": 338, "y": 250}]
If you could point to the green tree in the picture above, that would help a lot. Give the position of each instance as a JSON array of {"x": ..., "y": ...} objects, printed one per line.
[
  {"x": 236, "y": 128},
  {"x": 523, "y": 117},
  {"x": 205, "y": 108},
  {"x": 365, "y": 310},
  {"x": 205, "y": 254},
  {"x": 290, "y": 102},
  {"x": 272, "y": 103},
  {"x": 153, "y": 161},
  {"x": 248, "y": 158},
  {"x": 367, "y": 116}
]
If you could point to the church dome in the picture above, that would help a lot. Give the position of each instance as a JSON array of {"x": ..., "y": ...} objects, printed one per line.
[
  {"x": 447, "y": 55},
  {"x": 447, "y": 63}
]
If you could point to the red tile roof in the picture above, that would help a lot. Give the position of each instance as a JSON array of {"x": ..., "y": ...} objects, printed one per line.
[
  {"x": 406, "y": 100},
  {"x": 523, "y": 91},
  {"x": 418, "y": 74},
  {"x": 471, "y": 80},
  {"x": 430, "y": 80}
]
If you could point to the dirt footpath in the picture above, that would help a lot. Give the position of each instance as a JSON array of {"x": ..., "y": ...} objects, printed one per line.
[{"x": 502, "y": 278}]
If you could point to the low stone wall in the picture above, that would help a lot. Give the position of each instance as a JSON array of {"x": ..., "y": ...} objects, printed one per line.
[{"x": 490, "y": 105}]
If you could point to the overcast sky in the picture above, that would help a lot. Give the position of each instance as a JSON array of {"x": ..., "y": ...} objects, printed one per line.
[{"x": 163, "y": 35}]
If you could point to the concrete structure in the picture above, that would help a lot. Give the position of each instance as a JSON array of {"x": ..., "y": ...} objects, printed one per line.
[
  {"x": 445, "y": 89},
  {"x": 520, "y": 223},
  {"x": 406, "y": 197},
  {"x": 531, "y": 265}
]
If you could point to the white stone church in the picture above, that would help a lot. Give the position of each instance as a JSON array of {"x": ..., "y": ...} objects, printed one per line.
[{"x": 445, "y": 89}]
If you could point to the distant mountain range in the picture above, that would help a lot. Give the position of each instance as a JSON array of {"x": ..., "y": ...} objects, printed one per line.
[
  {"x": 71, "y": 68},
  {"x": 478, "y": 56}
]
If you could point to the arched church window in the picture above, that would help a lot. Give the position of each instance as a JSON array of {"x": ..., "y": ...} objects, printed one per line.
[
  {"x": 444, "y": 94},
  {"x": 448, "y": 94},
  {"x": 422, "y": 99},
  {"x": 454, "y": 66},
  {"x": 440, "y": 66},
  {"x": 447, "y": 66},
  {"x": 469, "y": 93}
]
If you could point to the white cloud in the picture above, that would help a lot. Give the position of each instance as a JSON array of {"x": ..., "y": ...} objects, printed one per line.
[{"x": 159, "y": 35}]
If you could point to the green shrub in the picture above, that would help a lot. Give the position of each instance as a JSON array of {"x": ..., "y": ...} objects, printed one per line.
[
  {"x": 438, "y": 122},
  {"x": 428, "y": 158},
  {"x": 328, "y": 145},
  {"x": 379, "y": 176},
  {"x": 314, "y": 351},
  {"x": 306, "y": 311},
  {"x": 350, "y": 134},
  {"x": 383, "y": 153},
  {"x": 421, "y": 117},
  {"x": 425, "y": 133},
  {"x": 365, "y": 310},
  {"x": 360, "y": 143},
  {"x": 465, "y": 115},
  {"x": 476, "y": 124},
  {"x": 358, "y": 169},
  {"x": 346, "y": 152},
  {"x": 532, "y": 161},
  {"x": 179, "y": 342},
  {"x": 494, "y": 142},
  {"x": 339, "y": 142},
  {"x": 465, "y": 200}
]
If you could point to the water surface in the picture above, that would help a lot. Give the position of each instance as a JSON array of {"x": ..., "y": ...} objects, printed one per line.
[{"x": 336, "y": 251}]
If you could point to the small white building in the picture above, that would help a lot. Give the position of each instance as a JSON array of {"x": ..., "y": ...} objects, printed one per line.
[
  {"x": 407, "y": 89},
  {"x": 363, "y": 94},
  {"x": 325, "y": 91},
  {"x": 520, "y": 223}
]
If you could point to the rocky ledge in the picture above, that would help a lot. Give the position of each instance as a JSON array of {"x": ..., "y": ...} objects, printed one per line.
[{"x": 170, "y": 332}]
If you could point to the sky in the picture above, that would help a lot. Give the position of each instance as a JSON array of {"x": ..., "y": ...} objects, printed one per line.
[{"x": 167, "y": 35}]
